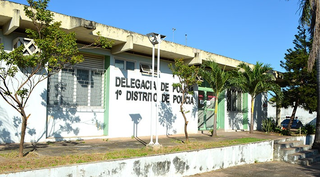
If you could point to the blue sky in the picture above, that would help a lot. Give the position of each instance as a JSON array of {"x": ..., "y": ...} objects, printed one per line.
[{"x": 246, "y": 30}]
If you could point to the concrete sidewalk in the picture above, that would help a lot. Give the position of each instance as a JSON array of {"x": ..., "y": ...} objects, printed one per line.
[{"x": 101, "y": 145}]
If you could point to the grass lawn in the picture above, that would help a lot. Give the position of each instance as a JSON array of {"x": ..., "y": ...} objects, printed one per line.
[{"x": 9, "y": 161}]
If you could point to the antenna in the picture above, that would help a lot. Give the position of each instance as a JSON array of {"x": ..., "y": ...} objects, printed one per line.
[{"x": 173, "y": 29}]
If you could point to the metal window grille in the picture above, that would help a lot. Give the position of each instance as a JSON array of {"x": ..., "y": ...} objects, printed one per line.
[
  {"x": 234, "y": 100},
  {"x": 78, "y": 86}
]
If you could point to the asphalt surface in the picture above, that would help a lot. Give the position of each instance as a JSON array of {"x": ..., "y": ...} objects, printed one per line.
[
  {"x": 268, "y": 169},
  {"x": 102, "y": 144}
]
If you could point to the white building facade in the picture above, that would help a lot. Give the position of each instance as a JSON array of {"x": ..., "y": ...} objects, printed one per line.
[{"x": 109, "y": 94}]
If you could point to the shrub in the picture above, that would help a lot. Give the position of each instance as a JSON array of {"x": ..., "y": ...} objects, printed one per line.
[
  {"x": 286, "y": 132},
  {"x": 308, "y": 129},
  {"x": 268, "y": 125}
]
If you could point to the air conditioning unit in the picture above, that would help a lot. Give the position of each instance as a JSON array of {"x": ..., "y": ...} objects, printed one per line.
[{"x": 29, "y": 45}]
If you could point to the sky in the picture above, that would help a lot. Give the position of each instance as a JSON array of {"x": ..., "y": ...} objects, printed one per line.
[{"x": 245, "y": 30}]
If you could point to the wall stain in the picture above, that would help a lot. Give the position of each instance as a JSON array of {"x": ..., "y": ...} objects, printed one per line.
[
  {"x": 136, "y": 167},
  {"x": 161, "y": 168},
  {"x": 146, "y": 169},
  {"x": 179, "y": 165},
  {"x": 114, "y": 171}
]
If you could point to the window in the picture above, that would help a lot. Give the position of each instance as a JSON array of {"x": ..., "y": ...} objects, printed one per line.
[
  {"x": 129, "y": 65},
  {"x": 78, "y": 86},
  {"x": 119, "y": 64},
  {"x": 123, "y": 64},
  {"x": 29, "y": 45},
  {"x": 234, "y": 100},
  {"x": 147, "y": 68}
]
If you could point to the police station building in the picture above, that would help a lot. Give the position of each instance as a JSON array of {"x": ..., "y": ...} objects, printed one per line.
[{"x": 111, "y": 93}]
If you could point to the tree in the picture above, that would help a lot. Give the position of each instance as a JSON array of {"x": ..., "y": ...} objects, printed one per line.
[
  {"x": 187, "y": 76},
  {"x": 218, "y": 80},
  {"x": 300, "y": 85},
  {"x": 310, "y": 16},
  {"x": 275, "y": 99},
  {"x": 22, "y": 73},
  {"x": 255, "y": 81}
]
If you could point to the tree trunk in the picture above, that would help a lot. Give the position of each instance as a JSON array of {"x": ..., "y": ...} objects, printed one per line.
[
  {"x": 214, "y": 133},
  {"x": 185, "y": 123},
  {"x": 252, "y": 110},
  {"x": 316, "y": 143},
  {"x": 294, "y": 111},
  {"x": 23, "y": 131},
  {"x": 184, "y": 116},
  {"x": 278, "y": 115}
]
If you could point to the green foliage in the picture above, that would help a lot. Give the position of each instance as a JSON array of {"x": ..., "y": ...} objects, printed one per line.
[
  {"x": 300, "y": 85},
  {"x": 286, "y": 132},
  {"x": 257, "y": 80},
  {"x": 308, "y": 129},
  {"x": 57, "y": 49},
  {"x": 219, "y": 80},
  {"x": 268, "y": 125},
  {"x": 188, "y": 76}
]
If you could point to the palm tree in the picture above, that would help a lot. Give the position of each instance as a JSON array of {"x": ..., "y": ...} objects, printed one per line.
[
  {"x": 255, "y": 81},
  {"x": 218, "y": 81},
  {"x": 310, "y": 16}
]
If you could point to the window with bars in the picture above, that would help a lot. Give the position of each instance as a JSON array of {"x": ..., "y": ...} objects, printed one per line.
[
  {"x": 78, "y": 86},
  {"x": 234, "y": 100}
]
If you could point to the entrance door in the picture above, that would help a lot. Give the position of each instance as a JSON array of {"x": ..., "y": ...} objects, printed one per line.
[{"x": 206, "y": 101}]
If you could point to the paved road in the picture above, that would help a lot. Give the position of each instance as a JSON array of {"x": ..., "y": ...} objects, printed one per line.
[{"x": 268, "y": 169}]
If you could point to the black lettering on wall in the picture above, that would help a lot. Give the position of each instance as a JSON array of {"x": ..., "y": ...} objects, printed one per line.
[{"x": 117, "y": 81}]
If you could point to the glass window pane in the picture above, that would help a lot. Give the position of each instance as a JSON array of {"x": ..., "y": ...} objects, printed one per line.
[
  {"x": 129, "y": 65},
  {"x": 228, "y": 100},
  {"x": 82, "y": 87},
  {"x": 119, "y": 64},
  {"x": 53, "y": 90},
  {"x": 96, "y": 89},
  {"x": 233, "y": 101},
  {"x": 239, "y": 101},
  {"x": 67, "y": 86},
  {"x": 145, "y": 68}
]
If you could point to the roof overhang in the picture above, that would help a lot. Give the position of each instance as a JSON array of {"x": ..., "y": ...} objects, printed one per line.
[{"x": 13, "y": 19}]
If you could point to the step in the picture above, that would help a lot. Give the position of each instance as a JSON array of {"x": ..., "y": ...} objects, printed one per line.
[
  {"x": 310, "y": 160},
  {"x": 282, "y": 149},
  {"x": 283, "y": 153},
  {"x": 287, "y": 144},
  {"x": 292, "y": 138},
  {"x": 293, "y": 158}
]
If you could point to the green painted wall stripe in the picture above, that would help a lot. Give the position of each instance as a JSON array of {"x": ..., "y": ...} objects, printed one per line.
[
  {"x": 106, "y": 95},
  {"x": 221, "y": 111},
  {"x": 205, "y": 89},
  {"x": 245, "y": 111}
]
